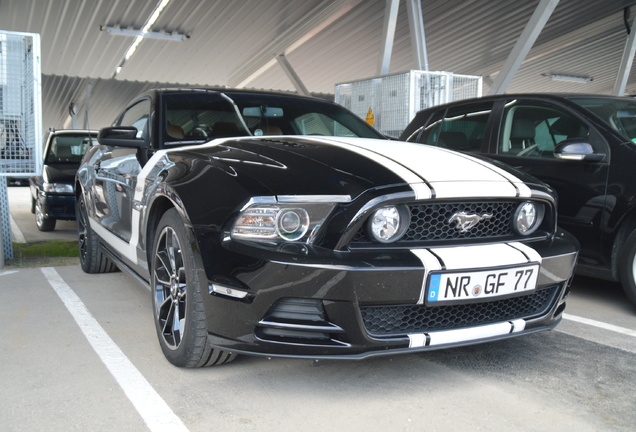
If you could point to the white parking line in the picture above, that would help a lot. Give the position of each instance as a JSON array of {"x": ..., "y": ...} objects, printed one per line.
[
  {"x": 152, "y": 408},
  {"x": 18, "y": 237},
  {"x": 600, "y": 324}
]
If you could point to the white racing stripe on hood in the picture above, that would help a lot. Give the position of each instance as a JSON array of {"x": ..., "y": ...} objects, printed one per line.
[
  {"x": 358, "y": 146},
  {"x": 451, "y": 174},
  {"x": 524, "y": 190}
]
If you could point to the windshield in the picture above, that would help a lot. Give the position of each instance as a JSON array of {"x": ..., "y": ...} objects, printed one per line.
[
  {"x": 619, "y": 113},
  {"x": 207, "y": 115}
]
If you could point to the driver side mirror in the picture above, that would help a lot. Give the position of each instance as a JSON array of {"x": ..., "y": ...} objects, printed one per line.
[
  {"x": 121, "y": 136},
  {"x": 577, "y": 149}
]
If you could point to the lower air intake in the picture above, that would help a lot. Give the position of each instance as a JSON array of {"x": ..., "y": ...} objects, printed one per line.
[
  {"x": 299, "y": 321},
  {"x": 395, "y": 320}
]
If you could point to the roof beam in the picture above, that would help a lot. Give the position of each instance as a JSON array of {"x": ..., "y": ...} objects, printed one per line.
[
  {"x": 292, "y": 75},
  {"x": 416, "y": 27},
  {"x": 306, "y": 28},
  {"x": 522, "y": 47},
  {"x": 626, "y": 62},
  {"x": 388, "y": 35}
]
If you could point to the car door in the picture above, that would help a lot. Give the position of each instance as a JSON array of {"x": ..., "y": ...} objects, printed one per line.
[
  {"x": 116, "y": 175},
  {"x": 528, "y": 132}
]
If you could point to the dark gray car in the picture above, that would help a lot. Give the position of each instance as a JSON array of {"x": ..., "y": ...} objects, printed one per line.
[{"x": 52, "y": 193}]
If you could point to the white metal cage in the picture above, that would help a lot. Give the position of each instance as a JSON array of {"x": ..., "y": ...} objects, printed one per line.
[
  {"x": 393, "y": 100},
  {"x": 20, "y": 104},
  {"x": 20, "y": 119}
]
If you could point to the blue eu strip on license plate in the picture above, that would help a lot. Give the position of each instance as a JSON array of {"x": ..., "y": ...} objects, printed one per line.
[{"x": 472, "y": 285}]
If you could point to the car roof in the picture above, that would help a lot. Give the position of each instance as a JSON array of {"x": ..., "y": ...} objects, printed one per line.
[
  {"x": 71, "y": 131},
  {"x": 550, "y": 96},
  {"x": 166, "y": 90}
]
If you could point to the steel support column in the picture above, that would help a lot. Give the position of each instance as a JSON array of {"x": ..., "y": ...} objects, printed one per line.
[
  {"x": 418, "y": 41},
  {"x": 87, "y": 104},
  {"x": 6, "y": 247},
  {"x": 292, "y": 75},
  {"x": 522, "y": 47},
  {"x": 388, "y": 35},
  {"x": 626, "y": 62}
]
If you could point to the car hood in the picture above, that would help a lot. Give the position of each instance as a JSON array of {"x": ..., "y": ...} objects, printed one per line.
[
  {"x": 350, "y": 166},
  {"x": 63, "y": 173}
]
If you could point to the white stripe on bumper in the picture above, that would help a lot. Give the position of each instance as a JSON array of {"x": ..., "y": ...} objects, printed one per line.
[{"x": 418, "y": 340}]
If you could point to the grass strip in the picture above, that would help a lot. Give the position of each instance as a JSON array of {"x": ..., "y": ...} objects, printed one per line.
[
  {"x": 54, "y": 252},
  {"x": 53, "y": 248}
]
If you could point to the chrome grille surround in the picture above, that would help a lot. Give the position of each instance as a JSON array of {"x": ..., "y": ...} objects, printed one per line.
[{"x": 430, "y": 223}]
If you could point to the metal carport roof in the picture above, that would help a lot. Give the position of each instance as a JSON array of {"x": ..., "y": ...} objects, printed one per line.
[{"x": 325, "y": 42}]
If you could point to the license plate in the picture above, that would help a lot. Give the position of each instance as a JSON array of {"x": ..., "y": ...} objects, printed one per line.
[{"x": 475, "y": 285}]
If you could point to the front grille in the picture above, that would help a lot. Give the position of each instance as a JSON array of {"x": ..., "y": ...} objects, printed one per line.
[
  {"x": 402, "y": 319},
  {"x": 430, "y": 222}
]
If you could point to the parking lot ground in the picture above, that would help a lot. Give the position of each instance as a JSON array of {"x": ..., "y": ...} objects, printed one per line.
[
  {"x": 54, "y": 378},
  {"x": 80, "y": 353}
]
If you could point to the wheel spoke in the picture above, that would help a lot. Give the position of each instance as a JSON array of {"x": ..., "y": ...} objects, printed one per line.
[
  {"x": 162, "y": 278},
  {"x": 176, "y": 324},
  {"x": 171, "y": 250},
  {"x": 167, "y": 322},
  {"x": 162, "y": 266}
]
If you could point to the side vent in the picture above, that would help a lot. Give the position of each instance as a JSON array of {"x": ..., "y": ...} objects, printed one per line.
[{"x": 299, "y": 321}]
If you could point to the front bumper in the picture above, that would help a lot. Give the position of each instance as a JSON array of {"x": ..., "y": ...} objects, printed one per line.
[
  {"x": 358, "y": 304},
  {"x": 56, "y": 206}
]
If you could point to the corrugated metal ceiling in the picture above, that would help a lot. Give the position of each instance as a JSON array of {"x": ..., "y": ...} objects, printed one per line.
[{"x": 229, "y": 39}]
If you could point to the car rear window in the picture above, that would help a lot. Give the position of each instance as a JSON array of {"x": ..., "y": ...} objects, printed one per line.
[{"x": 68, "y": 148}]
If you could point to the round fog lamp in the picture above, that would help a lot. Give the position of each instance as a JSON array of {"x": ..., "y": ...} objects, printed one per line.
[
  {"x": 388, "y": 224},
  {"x": 527, "y": 218}
]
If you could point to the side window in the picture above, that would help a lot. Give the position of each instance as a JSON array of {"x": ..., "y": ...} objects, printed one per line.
[
  {"x": 464, "y": 126},
  {"x": 458, "y": 128},
  {"x": 428, "y": 134},
  {"x": 137, "y": 116},
  {"x": 533, "y": 129}
]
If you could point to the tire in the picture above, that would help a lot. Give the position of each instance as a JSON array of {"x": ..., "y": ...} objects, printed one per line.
[
  {"x": 92, "y": 258},
  {"x": 32, "y": 205},
  {"x": 43, "y": 223},
  {"x": 627, "y": 267},
  {"x": 178, "y": 309}
]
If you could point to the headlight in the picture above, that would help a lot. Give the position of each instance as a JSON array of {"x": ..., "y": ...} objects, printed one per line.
[
  {"x": 292, "y": 224},
  {"x": 58, "y": 187},
  {"x": 388, "y": 224},
  {"x": 287, "y": 222},
  {"x": 527, "y": 218}
]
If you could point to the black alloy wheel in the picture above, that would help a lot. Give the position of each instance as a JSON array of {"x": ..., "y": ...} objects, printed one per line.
[
  {"x": 627, "y": 267},
  {"x": 92, "y": 259},
  {"x": 178, "y": 309}
]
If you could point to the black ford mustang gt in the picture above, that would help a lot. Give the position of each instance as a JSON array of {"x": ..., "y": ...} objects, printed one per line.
[{"x": 285, "y": 226}]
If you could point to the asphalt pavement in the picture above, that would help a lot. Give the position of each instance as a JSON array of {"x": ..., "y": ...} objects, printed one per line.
[{"x": 80, "y": 353}]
